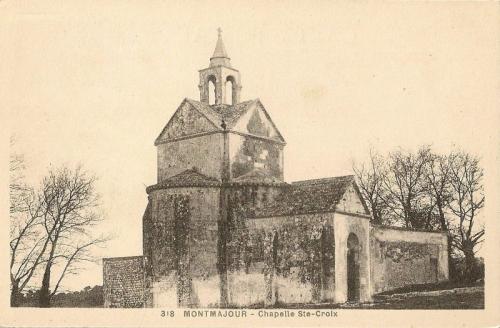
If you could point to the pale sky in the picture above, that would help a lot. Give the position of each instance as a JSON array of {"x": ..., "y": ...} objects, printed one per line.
[{"x": 95, "y": 82}]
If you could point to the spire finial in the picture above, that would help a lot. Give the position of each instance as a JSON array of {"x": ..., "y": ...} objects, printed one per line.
[{"x": 220, "y": 55}]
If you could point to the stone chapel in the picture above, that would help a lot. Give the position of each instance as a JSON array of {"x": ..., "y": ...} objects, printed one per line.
[{"x": 223, "y": 229}]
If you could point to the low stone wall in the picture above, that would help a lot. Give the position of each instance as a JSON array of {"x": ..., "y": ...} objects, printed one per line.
[
  {"x": 123, "y": 282},
  {"x": 404, "y": 257}
]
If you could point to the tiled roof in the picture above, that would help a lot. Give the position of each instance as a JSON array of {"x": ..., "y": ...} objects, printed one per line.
[
  {"x": 187, "y": 178},
  {"x": 229, "y": 113},
  {"x": 309, "y": 196}
]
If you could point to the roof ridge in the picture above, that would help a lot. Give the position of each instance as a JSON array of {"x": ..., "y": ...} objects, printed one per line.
[
  {"x": 228, "y": 105},
  {"x": 198, "y": 104},
  {"x": 187, "y": 178},
  {"x": 322, "y": 180}
]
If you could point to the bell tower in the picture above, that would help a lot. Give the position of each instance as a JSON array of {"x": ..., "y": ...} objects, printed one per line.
[{"x": 224, "y": 78}]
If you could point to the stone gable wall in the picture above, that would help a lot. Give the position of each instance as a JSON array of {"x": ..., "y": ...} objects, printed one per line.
[
  {"x": 256, "y": 122},
  {"x": 185, "y": 122},
  {"x": 247, "y": 153},
  {"x": 204, "y": 153},
  {"x": 351, "y": 202}
]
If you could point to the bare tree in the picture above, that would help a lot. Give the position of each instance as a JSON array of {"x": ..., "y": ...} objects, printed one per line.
[
  {"x": 70, "y": 202},
  {"x": 50, "y": 228},
  {"x": 439, "y": 188},
  {"x": 427, "y": 190},
  {"x": 466, "y": 182},
  {"x": 405, "y": 187},
  {"x": 441, "y": 194},
  {"x": 17, "y": 185},
  {"x": 27, "y": 246},
  {"x": 371, "y": 178},
  {"x": 26, "y": 240}
]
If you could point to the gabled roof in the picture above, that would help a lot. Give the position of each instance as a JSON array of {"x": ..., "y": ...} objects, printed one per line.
[
  {"x": 219, "y": 114},
  {"x": 163, "y": 136},
  {"x": 308, "y": 196},
  {"x": 187, "y": 178}
]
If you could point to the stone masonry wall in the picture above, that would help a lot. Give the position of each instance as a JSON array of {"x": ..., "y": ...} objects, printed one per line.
[
  {"x": 181, "y": 243},
  {"x": 284, "y": 260},
  {"x": 248, "y": 153},
  {"x": 346, "y": 225},
  {"x": 402, "y": 257},
  {"x": 123, "y": 282},
  {"x": 203, "y": 153}
]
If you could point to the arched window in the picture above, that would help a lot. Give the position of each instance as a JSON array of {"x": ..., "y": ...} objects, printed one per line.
[
  {"x": 352, "y": 242},
  {"x": 230, "y": 90},
  {"x": 211, "y": 89}
]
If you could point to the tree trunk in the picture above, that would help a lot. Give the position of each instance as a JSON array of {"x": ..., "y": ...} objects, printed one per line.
[
  {"x": 452, "y": 269},
  {"x": 377, "y": 218},
  {"x": 44, "y": 297},
  {"x": 14, "y": 294},
  {"x": 469, "y": 264}
]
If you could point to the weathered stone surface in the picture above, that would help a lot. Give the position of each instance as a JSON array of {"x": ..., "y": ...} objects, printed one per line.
[
  {"x": 186, "y": 121},
  {"x": 255, "y": 121},
  {"x": 346, "y": 225},
  {"x": 183, "y": 245},
  {"x": 203, "y": 153},
  {"x": 219, "y": 75},
  {"x": 402, "y": 257},
  {"x": 295, "y": 256},
  {"x": 123, "y": 282},
  {"x": 248, "y": 153}
]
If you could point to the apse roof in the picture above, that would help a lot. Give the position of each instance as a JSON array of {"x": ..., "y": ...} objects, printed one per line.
[{"x": 187, "y": 178}]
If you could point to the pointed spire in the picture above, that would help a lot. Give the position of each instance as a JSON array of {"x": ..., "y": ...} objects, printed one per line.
[
  {"x": 220, "y": 55},
  {"x": 220, "y": 50}
]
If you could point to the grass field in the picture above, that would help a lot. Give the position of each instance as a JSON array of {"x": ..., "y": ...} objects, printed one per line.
[
  {"x": 453, "y": 301},
  {"x": 433, "y": 296}
]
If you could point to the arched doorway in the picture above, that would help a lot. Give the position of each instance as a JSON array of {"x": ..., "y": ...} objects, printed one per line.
[{"x": 352, "y": 268}]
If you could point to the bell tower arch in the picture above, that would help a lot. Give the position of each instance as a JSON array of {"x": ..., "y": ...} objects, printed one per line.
[{"x": 220, "y": 72}]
